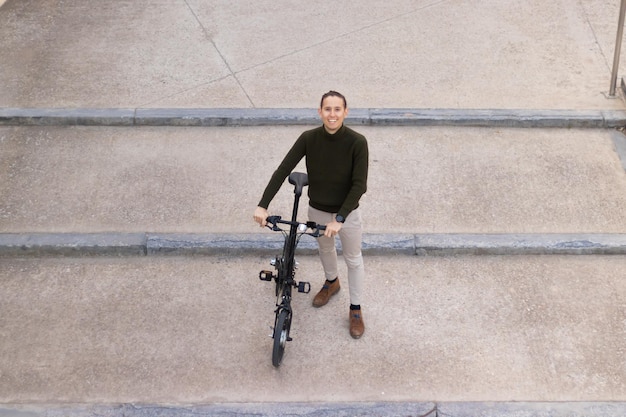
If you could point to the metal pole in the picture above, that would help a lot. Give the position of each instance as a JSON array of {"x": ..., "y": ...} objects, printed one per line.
[{"x": 618, "y": 48}]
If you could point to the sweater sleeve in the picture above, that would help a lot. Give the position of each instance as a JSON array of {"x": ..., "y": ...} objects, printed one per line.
[
  {"x": 359, "y": 178},
  {"x": 295, "y": 154}
]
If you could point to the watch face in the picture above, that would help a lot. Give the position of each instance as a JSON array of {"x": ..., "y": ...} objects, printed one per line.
[{"x": 340, "y": 219}]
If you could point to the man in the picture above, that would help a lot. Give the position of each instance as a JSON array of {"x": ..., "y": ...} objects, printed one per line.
[{"x": 337, "y": 167}]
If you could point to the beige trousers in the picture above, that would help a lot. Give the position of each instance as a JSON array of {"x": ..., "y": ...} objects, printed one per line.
[{"x": 351, "y": 234}]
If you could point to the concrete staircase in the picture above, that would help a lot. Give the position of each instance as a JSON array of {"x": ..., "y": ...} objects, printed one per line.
[{"x": 131, "y": 162}]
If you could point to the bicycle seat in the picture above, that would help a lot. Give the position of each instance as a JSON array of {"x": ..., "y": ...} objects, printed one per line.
[{"x": 300, "y": 180}]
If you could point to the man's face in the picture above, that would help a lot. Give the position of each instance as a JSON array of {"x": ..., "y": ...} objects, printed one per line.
[{"x": 332, "y": 113}]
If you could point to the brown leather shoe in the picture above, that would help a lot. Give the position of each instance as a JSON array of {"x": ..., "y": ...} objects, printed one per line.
[
  {"x": 327, "y": 291},
  {"x": 357, "y": 327}
]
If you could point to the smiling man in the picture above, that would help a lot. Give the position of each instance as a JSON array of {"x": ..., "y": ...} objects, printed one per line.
[{"x": 337, "y": 165}]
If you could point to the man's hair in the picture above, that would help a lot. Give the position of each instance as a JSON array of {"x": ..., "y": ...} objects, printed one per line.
[{"x": 332, "y": 93}]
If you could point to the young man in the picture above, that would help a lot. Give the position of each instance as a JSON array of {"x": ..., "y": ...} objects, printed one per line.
[{"x": 337, "y": 165}]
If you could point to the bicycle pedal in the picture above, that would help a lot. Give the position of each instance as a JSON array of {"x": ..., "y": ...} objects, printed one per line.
[
  {"x": 304, "y": 287},
  {"x": 266, "y": 275}
]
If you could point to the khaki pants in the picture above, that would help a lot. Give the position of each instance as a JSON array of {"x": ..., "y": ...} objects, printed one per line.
[{"x": 351, "y": 236}]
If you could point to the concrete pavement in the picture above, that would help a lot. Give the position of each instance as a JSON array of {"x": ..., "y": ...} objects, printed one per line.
[
  {"x": 194, "y": 330},
  {"x": 425, "y": 54},
  {"x": 126, "y": 126}
]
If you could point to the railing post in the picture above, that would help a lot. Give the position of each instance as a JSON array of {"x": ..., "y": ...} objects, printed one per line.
[{"x": 618, "y": 47}]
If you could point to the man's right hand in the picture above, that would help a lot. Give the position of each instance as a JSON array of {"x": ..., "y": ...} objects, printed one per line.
[{"x": 260, "y": 216}]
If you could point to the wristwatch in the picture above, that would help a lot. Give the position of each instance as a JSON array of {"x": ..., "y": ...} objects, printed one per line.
[{"x": 340, "y": 218}]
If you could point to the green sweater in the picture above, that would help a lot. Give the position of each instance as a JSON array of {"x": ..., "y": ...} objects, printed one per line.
[{"x": 336, "y": 165}]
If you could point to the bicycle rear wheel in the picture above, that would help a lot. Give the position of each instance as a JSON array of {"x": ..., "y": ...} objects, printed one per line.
[{"x": 281, "y": 336}]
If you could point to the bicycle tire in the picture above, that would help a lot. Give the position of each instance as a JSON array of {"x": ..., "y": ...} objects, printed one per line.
[{"x": 281, "y": 336}]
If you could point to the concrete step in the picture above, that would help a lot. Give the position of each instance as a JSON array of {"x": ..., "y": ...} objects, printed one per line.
[
  {"x": 424, "y": 54},
  {"x": 231, "y": 244},
  {"x": 194, "y": 330},
  {"x": 326, "y": 409},
  {"x": 542, "y": 118},
  {"x": 189, "y": 183}
]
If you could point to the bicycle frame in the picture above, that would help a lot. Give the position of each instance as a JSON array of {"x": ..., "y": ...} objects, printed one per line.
[{"x": 286, "y": 267}]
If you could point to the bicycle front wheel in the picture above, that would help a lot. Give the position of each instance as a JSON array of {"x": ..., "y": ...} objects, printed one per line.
[{"x": 281, "y": 336}]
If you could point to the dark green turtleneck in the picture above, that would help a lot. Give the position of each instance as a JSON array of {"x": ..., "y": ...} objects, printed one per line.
[{"x": 336, "y": 165}]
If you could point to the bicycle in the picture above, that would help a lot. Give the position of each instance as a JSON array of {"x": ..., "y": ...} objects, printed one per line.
[{"x": 286, "y": 266}]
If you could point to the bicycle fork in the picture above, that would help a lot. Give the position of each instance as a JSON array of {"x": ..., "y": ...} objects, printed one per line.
[{"x": 285, "y": 304}]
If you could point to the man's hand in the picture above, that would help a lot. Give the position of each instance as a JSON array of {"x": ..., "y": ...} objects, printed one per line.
[
  {"x": 332, "y": 228},
  {"x": 260, "y": 216}
]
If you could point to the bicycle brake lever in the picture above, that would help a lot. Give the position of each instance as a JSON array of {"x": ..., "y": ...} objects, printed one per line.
[
  {"x": 273, "y": 227},
  {"x": 271, "y": 223},
  {"x": 318, "y": 229}
]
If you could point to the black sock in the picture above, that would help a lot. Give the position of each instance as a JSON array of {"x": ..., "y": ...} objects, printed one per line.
[
  {"x": 355, "y": 306},
  {"x": 330, "y": 281}
]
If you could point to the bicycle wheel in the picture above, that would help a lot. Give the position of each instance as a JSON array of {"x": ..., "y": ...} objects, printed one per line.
[{"x": 281, "y": 336}]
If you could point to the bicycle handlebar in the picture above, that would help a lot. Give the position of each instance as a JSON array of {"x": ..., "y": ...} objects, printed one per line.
[{"x": 274, "y": 221}]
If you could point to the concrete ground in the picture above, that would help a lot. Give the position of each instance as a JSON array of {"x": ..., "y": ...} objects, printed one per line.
[
  {"x": 447, "y": 335},
  {"x": 271, "y": 54},
  {"x": 427, "y": 180},
  {"x": 194, "y": 330}
]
